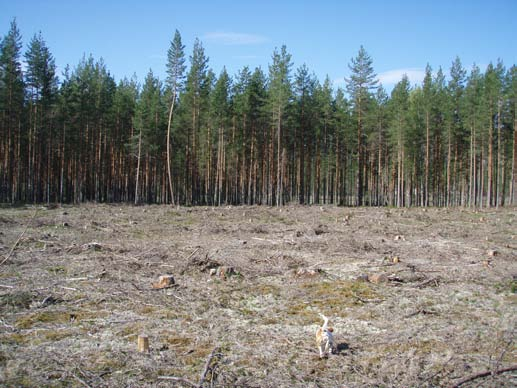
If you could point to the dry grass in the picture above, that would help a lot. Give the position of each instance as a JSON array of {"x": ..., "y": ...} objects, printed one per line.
[{"x": 77, "y": 292}]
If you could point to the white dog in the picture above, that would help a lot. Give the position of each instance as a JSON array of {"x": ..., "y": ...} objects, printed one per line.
[{"x": 324, "y": 338}]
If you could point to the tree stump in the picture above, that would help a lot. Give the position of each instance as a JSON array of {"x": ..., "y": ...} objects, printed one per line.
[
  {"x": 143, "y": 343},
  {"x": 164, "y": 281}
]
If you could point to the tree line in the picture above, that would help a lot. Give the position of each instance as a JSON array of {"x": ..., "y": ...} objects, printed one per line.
[{"x": 258, "y": 137}]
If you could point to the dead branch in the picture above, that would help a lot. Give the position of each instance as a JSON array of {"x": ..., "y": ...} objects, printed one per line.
[
  {"x": 430, "y": 282},
  {"x": 192, "y": 254},
  {"x": 19, "y": 238},
  {"x": 362, "y": 300},
  {"x": 203, "y": 375},
  {"x": 79, "y": 379},
  {"x": 421, "y": 311},
  {"x": 483, "y": 374},
  {"x": 207, "y": 366}
]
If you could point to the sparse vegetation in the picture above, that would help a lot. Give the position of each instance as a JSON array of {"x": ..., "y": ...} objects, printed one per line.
[{"x": 73, "y": 306}]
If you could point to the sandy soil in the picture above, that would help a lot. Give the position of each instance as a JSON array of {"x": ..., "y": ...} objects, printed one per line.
[{"x": 417, "y": 297}]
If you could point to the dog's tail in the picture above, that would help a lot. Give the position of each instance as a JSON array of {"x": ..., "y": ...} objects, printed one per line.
[{"x": 326, "y": 321}]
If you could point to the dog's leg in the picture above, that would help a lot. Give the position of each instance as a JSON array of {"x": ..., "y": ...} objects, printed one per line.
[
  {"x": 322, "y": 350},
  {"x": 332, "y": 346}
]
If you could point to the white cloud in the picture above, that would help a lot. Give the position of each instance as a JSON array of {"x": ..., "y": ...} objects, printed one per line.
[
  {"x": 391, "y": 77},
  {"x": 234, "y": 38}
]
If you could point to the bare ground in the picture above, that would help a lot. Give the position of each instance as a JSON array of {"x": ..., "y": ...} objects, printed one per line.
[{"x": 439, "y": 305}]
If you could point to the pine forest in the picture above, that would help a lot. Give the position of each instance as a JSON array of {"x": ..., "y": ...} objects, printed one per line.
[{"x": 262, "y": 136}]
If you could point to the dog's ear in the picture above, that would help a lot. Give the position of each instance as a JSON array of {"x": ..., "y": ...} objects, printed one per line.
[{"x": 331, "y": 329}]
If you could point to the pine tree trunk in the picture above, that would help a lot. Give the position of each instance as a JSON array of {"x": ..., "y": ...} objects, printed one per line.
[
  {"x": 513, "y": 182},
  {"x": 337, "y": 179},
  {"x": 137, "y": 198},
  {"x": 169, "y": 123},
  {"x": 279, "y": 166},
  {"x": 359, "y": 188},
  {"x": 251, "y": 180},
  {"x": 499, "y": 182},
  {"x": 427, "y": 157},
  {"x": 490, "y": 161},
  {"x": 448, "y": 170},
  {"x": 472, "y": 181}
]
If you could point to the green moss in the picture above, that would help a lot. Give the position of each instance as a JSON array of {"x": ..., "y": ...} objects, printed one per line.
[
  {"x": 420, "y": 347},
  {"x": 273, "y": 320},
  {"x": 21, "y": 382},
  {"x": 302, "y": 313},
  {"x": 131, "y": 331},
  {"x": 178, "y": 341},
  {"x": 146, "y": 310},
  {"x": 265, "y": 289},
  {"x": 57, "y": 270},
  {"x": 55, "y": 317},
  {"x": 107, "y": 362},
  {"x": 197, "y": 357},
  {"x": 56, "y": 335},
  {"x": 506, "y": 286},
  {"x": 327, "y": 297},
  {"x": 14, "y": 339}
]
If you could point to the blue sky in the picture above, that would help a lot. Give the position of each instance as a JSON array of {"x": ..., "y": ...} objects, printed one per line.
[{"x": 400, "y": 36}]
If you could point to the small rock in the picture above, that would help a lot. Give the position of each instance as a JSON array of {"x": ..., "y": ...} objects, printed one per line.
[
  {"x": 492, "y": 252},
  {"x": 164, "y": 281},
  {"x": 378, "y": 278},
  {"x": 399, "y": 237},
  {"x": 396, "y": 260}
]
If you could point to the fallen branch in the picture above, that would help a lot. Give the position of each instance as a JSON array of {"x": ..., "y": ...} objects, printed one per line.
[
  {"x": 68, "y": 288},
  {"x": 483, "y": 374},
  {"x": 366, "y": 300},
  {"x": 429, "y": 282},
  {"x": 207, "y": 366},
  {"x": 192, "y": 254},
  {"x": 203, "y": 375},
  {"x": 19, "y": 238},
  {"x": 421, "y": 311},
  {"x": 79, "y": 379}
]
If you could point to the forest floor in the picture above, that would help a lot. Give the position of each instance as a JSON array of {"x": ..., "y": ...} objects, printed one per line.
[{"x": 417, "y": 297}]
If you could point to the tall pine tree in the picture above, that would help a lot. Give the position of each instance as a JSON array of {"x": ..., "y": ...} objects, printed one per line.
[
  {"x": 360, "y": 85},
  {"x": 175, "y": 78},
  {"x": 11, "y": 115},
  {"x": 279, "y": 96}
]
